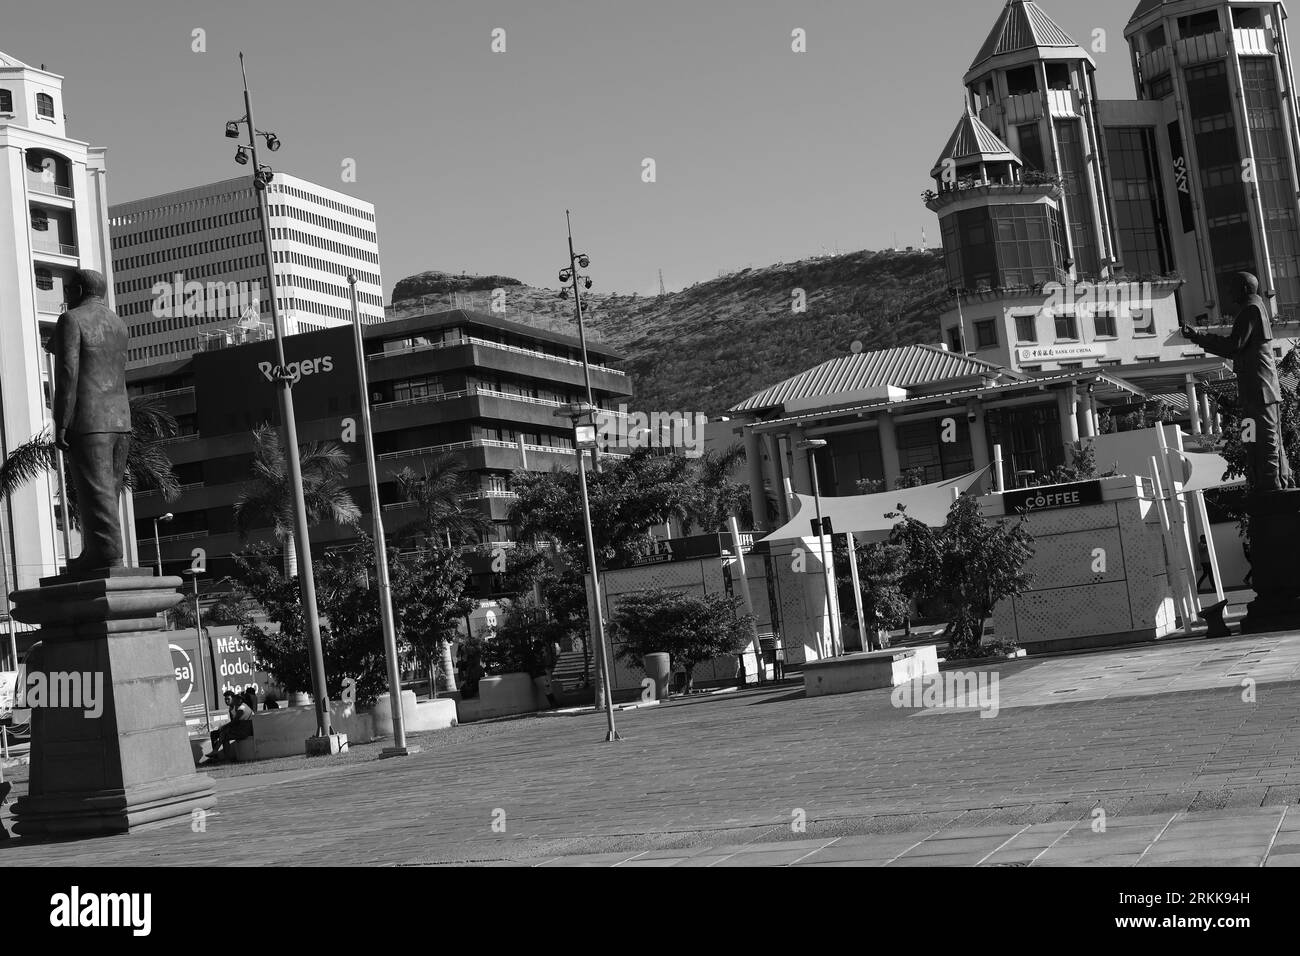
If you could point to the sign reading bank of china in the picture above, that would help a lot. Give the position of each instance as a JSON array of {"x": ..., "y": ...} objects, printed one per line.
[
  {"x": 1029, "y": 354},
  {"x": 1050, "y": 497}
]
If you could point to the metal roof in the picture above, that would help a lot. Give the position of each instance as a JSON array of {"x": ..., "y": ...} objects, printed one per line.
[
  {"x": 1144, "y": 7},
  {"x": 901, "y": 367},
  {"x": 973, "y": 140},
  {"x": 1023, "y": 26},
  {"x": 1109, "y": 387}
]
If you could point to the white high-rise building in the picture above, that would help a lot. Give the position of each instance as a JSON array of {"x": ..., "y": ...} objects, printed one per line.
[
  {"x": 53, "y": 220},
  {"x": 191, "y": 272}
]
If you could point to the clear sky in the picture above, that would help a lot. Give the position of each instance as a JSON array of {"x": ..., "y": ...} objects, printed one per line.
[{"x": 471, "y": 157}]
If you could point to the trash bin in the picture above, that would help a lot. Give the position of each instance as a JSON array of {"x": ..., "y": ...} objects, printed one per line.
[{"x": 658, "y": 667}]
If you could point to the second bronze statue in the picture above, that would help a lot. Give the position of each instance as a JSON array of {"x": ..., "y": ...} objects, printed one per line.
[{"x": 92, "y": 415}]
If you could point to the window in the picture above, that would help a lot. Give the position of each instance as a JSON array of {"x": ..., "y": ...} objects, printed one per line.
[
  {"x": 1248, "y": 18},
  {"x": 6, "y": 101},
  {"x": 44, "y": 280},
  {"x": 1144, "y": 322},
  {"x": 1021, "y": 81},
  {"x": 1160, "y": 87},
  {"x": 1140, "y": 216},
  {"x": 1025, "y": 329},
  {"x": 1067, "y": 327},
  {"x": 45, "y": 105},
  {"x": 1104, "y": 323},
  {"x": 40, "y": 221},
  {"x": 986, "y": 334},
  {"x": 1031, "y": 146},
  {"x": 954, "y": 339},
  {"x": 1156, "y": 38},
  {"x": 1058, "y": 76},
  {"x": 1199, "y": 24}
]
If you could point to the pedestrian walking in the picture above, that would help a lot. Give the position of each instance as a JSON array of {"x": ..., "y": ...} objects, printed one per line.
[{"x": 1207, "y": 570}]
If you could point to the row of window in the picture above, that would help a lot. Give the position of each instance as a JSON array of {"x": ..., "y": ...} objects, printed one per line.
[
  {"x": 326, "y": 265},
  {"x": 44, "y": 103},
  {"x": 288, "y": 211},
  {"x": 1206, "y": 22},
  {"x": 225, "y": 267},
  {"x": 187, "y": 252},
  {"x": 206, "y": 224},
  {"x": 1066, "y": 327},
  {"x": 179, "y": 346},
  {"x": 338, "y": 248},
  {"x": 321, "y": 200},
  {"x": 185, "y": 208}
]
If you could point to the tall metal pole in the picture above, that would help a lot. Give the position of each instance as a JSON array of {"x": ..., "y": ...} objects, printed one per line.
[
  {"x": 582, "y": 334},
  {"x": 600, "y": 612},
  {"x": 828, "y": 569},
  {"x": 302, "y": 539},
  {"x": 198, "y": 646},
  {"x": 399, "y": 748},
  {"x": 157, "y": 546}
]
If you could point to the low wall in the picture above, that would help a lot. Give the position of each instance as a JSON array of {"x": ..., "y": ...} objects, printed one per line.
[
  {"x": 502, "y": 696},
  {"x": 869, "y": 670}
]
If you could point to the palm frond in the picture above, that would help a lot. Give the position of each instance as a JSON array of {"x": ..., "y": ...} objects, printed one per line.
[{"x": 26, "y": 462}]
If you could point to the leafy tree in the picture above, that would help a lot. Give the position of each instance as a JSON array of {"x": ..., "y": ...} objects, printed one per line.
[
  {"x": 716, "y": 497},
  {"x": 690, "y": 629},
  {"x": 438, "y": 491},
  {"x": 1082, "y": 467},
  {"x": 970, "y": 562},
  {"x": 911, "y": 478},
  {"x": 880, "y": 571},
  {"x": 268, "y": 500},
  {"x": 147, "y": 467},
  {"x": 428, "y": 602}
]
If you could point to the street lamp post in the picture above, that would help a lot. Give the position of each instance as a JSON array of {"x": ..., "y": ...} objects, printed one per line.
[
  {"x": 828, "y": 570},
  {"x": 399, "y": 748},
  {"x": 571, "y": 275},
  {"x": 198, "y": 637},
  {"x": 262, "y": 176},
  {"x": 157, "y": 542},
  {"x": 584, "y": 431}
]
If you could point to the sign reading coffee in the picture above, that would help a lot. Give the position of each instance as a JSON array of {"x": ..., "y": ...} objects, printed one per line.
[{"x": 1050, "y": 497}]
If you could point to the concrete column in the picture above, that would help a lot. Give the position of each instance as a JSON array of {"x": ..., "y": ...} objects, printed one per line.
[
  {"x": 979, "y": 439},
  {"x": 799, "y": 460},
  {"x": 1207, "y": 413},
  {"x": 1067, "y": 401},
  {"x": 1193, "y": 404},
  {"x": 754, "y": 466},
  {"x": 889, "y": 449},
  {"x": 1085, "y": 412},
  {"x": 776, "y": 456},
  {"x": 1092, "y": 413}
]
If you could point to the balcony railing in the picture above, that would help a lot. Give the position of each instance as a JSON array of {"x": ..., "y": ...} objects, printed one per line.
[
  {"x": 53, "y": 245},
  {"x": 188, "y": 536},
  {"x": 483, "y": 443},
  {"x": 51, "y": 306},
  {"x": 38, "y": 185},
  {"x": 178, "y": 438},
  {"x": 182, "y": 488},
  {"x": 471, "y": 340}
]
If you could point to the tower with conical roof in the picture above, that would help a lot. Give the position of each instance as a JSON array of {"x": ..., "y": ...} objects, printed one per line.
[
  {"x": 54, "y": 213},
  {"x": 1218, "y": 77}
]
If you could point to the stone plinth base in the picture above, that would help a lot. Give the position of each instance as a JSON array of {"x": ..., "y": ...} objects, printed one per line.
[
  {"x": 870, "y": 670},
  {"x": 1274, "y": 533},
  {"x": 327, "y": 746},
  {"x": 109, "y": 748}
]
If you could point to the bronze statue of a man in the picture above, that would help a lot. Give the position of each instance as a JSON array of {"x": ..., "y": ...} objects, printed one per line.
[
  {"x": 92, "y": 416},
  {"x": 1250, "y": 346}
]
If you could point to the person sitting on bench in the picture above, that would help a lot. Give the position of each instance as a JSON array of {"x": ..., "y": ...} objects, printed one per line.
[{"x": 239, "y": 727}]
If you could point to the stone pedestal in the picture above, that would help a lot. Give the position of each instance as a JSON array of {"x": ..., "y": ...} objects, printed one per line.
[
  {"x": 1275, "y": 571},
  {"x": 126, "y": 762}
]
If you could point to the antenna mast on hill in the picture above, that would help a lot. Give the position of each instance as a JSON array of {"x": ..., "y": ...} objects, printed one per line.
[{"x": 662, "y": 293}]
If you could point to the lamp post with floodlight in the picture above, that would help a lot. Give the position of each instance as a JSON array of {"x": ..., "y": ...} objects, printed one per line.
[
  {"x": 262, "y": 176},
  {"x": 828, "y": 570},
  {"x": 581, "y": 414}
]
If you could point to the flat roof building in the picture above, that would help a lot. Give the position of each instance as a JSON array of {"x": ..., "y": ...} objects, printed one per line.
[
  {"x": 463, "y": 382},
  {"x": 190, "y": 267}
]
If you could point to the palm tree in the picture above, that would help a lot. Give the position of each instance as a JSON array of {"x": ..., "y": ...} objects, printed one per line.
[
  {"x": 438, "y": 492},
  {"x": 268, "y": 499},
  {"x": 147, "y": 466}
]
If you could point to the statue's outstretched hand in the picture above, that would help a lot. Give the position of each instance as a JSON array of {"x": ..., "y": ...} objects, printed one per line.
[{"x": 61, "y": 439}]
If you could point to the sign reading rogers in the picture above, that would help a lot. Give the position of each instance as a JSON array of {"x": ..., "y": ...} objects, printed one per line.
[
  {"x": 297, "y": 370},
  {"x": 1073, "y": 495}
]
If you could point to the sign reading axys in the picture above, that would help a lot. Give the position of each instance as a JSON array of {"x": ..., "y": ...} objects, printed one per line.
[{"x": 1049, "y": 497}]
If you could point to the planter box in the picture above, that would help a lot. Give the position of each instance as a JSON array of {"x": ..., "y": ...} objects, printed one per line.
[{"x": 870, "y": 670}]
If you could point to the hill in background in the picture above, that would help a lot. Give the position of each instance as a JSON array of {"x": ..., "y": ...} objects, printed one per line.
[{"x": 717, "y": 342}]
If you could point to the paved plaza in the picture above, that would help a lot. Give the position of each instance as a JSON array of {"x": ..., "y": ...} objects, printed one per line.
[{"x": 1184, "y": 752}]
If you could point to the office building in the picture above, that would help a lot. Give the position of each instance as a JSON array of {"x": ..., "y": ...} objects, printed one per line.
[
  {"x": 463, "y": 382},
  {"x": 191, "y": 269},
  {"x": 54, "y": 212}
]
